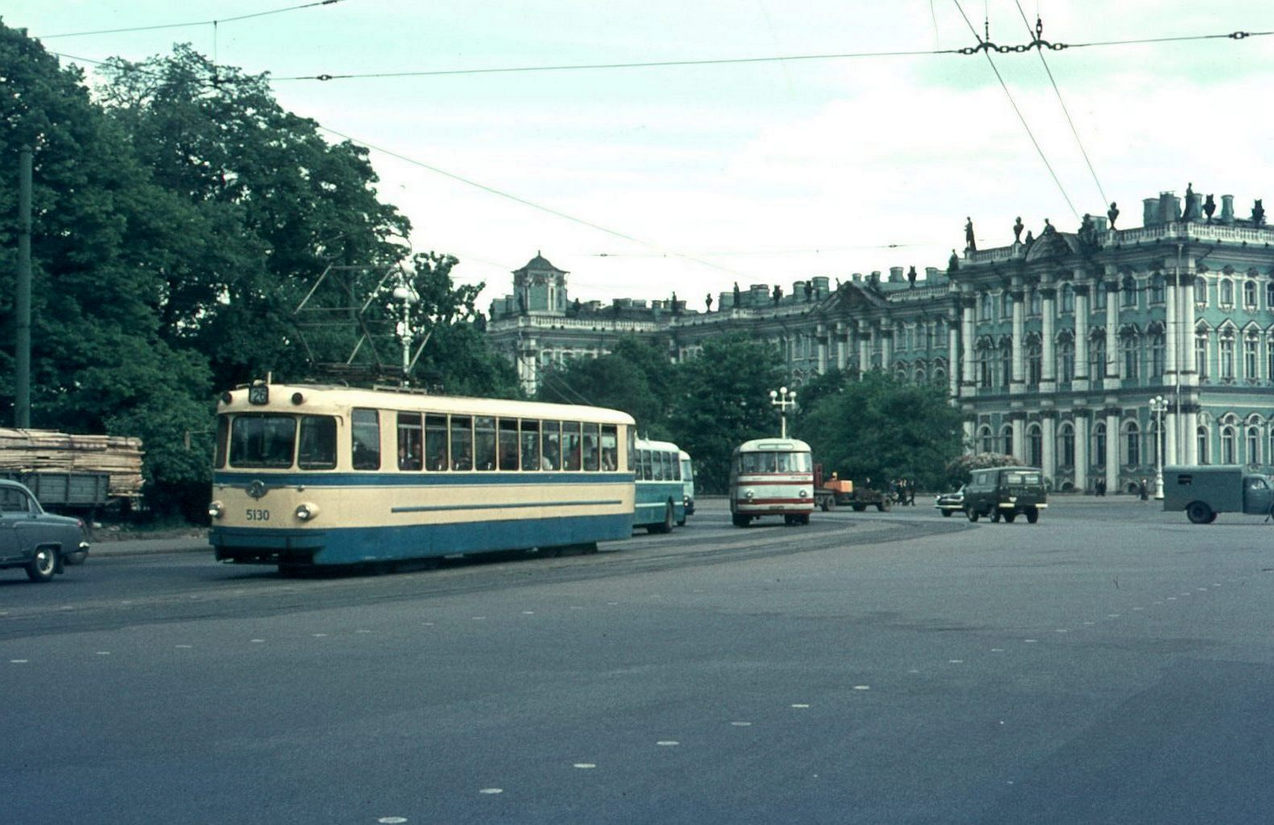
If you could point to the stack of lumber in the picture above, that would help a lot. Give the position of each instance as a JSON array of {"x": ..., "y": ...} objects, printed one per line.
[{"x": 57, "y": 452}]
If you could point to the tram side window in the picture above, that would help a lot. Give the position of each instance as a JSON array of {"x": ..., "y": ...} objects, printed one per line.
[
  {"x": 317, "y": 443},
  {"x": 643, "y": 465},
  {"x": 531, "y": 445},
  {"x": 410, "y": 442},
  {"x": 508, "y": 443},
  {"x": 656, "y": 465},
  {"x": 484, "y": 443},
  {"x": 262, "y": 441},
  {"x": 435, "y": 441},
  {"x": 571, "y": 445},
  {"x": 552, "y": 445},
  {"x": 672, "y": 469},
  {"x": 591, "y": 458},
  {"x": 365, "y": 432},
  {"x": 461, "y": 442},
  {"x": 610, "y": 447}
]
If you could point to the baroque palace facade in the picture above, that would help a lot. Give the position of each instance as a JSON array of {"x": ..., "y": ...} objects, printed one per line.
[{"x": 1085, "y": 353}]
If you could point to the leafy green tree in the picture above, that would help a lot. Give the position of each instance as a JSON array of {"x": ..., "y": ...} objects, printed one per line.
[
  {"x": 723, "y": 399},
  {"x": 99, "y": 352},
  {"x": 279, "y": 206},
  {"x": 884, "y": 427},
  {"x": 633, "y": 377}
]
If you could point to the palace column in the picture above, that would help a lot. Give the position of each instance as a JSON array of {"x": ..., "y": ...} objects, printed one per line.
[
  {"x": 1114, "y": 366},
  {"x": 1048, "y": 348},
  {"x": 954, "y": 364},
  {"x": 1048, "y": 433},
  {"x": 1112, "y": 449},
  {"x": 968, "y": 375},
  {"x": 864, "y": 347},
  {"x": 1017, "y": 382},
  {"x": 1081, "y": 330}
]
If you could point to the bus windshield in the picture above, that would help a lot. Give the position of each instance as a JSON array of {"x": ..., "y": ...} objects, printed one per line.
[{"x": 774, "y": 463}]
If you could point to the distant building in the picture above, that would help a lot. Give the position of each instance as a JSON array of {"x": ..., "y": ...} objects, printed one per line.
[{"x": 1052, "y": 347}]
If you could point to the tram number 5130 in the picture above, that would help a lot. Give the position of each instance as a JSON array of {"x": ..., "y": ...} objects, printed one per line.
[{"x": 256, "y": 514}]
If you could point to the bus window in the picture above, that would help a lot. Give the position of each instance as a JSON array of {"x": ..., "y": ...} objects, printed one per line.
[
  {"x": 643, "y": 465},
  {"x": 610, "y": 445},
  {"x": 530, "y": 445},
  {"x": 673, "y": 467},
  {"x": 757, "y": 462},
  {"x": 262, "y": 441},
  {"x": 656, "y": 466},
  {"x": 508, "y": 443},
  {"x": 461, "y": 443},
  {"x": 435, "y": 442},
  {"x": 317, "y": 443},
  {"x": 570, "y": 445},
  {"x": 484, "y": 443},
  {"x": 552, "y": 445},
  {"x": 591, "y": 458},
  {"x": 410, "y": 442},
  {"x": 223, "y": 436},
  {"x": 631, "y": 456},
  {"x": 366, "y": 440}
]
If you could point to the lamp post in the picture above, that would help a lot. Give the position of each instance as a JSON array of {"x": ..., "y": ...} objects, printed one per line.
[
  {"x": 1158, "y": 406},
  {"x": 783, "y": 398},
  {"x": 405, "y": 296}
]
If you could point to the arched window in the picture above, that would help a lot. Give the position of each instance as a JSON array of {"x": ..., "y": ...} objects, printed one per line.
[
  {"x": 1201, "y": 291},
  {"x": 1157, "y": 356},
  {"x": 1068, "y": 297},
  {"x": 1006, "y": 305},
  {"x": 1225, "y": 293},
  {"x": 984, "y": 307},
  {"x": 1066, "y": 360},
  {"x": 1097, "y": 355},
  {"x": 1066, "y": 449},
  {"x": 1006, "y": 438},
  {"x": 1156, "y": 289},
  {"x": 1249, "y": 294},
  {"x": 1034, "y": 446},
  {"x": 1229, "y": 454},
  {"x": 1201, "y": 445},
  {"x": 1201, "y": 354},
  {"x": 1129, "y": 343},
  {"x": 1006, "y": 362},
  {"x": 1226, "y": 353},
  {"x": 1037, "y": 303},
  {"x": 1253, "y": 444},
  {"x": 1132, "y": 444},
  {"x": 1251, "y": 356},
  {"x": 984, "y": 436},
  {"x": 1128, "y": 296},
  {"x": 1099, "y": 444},
  {"x": 1034, "y": 361}
]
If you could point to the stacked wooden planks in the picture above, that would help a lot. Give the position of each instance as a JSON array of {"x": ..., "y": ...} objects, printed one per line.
[{"x": 57, "y": 452}]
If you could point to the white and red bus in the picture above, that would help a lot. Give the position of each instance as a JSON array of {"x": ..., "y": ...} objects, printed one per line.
[{"x": 771, "y": 477}]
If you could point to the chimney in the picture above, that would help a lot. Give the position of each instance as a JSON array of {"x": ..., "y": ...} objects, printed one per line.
[
  {"x": 895, "y": 274},
  {"x": 1227, "y": 210},
  {"x": 1150, "y": 212}
]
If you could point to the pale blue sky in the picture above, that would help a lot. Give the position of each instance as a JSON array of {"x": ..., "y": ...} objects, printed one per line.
[{"x": 764, "y": 172}]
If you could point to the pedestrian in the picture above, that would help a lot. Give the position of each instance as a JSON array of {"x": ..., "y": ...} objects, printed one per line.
[{"x": 1141, "y": 489}]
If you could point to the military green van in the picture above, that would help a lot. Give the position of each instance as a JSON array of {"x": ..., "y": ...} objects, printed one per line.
[{"x": 1006, "y": 492}]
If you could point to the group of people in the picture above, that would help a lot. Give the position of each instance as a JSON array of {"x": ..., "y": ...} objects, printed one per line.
[{"x": 903, "y": 491}]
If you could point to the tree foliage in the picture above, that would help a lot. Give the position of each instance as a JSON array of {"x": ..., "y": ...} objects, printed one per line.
[
  {"x": 180, "y": 217},
  {"x": 883, "y": 427}
]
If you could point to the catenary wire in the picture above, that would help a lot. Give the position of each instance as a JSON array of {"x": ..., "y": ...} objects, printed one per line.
[{"x": 193, "y": 23}]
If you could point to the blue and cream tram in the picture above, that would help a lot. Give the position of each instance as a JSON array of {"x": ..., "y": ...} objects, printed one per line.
[
  {"x": 660, "y": 497},
  {"x": 314, "y": 475},
  {"x": 771, "y": 477}
]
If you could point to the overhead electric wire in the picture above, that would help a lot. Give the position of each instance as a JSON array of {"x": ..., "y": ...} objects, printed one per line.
[
  {"x": 532, "y": 204},
  {"x": 192, "y": 23},
  {"x": 1022, "y": 118},
  {"x": 1039, "y": 31}
]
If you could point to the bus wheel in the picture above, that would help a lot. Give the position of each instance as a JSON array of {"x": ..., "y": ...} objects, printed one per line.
[
  {"x": 666, "y": 525},
  {"x": 1032, "y": 515}
]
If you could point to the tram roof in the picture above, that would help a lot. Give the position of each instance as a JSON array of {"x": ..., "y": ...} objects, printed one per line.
[
  {"x": 316, "y": 396},
  {"x": 758, "y": 445}
]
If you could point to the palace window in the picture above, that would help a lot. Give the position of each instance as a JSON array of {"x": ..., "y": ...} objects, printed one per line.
[
  {"x": 1251, "y": 356},
  {"x": 1128, "y": 295},
  {"x": 1132, "y": 444},
  {"x": 1131, "y": 356},
  {"x": 1066, "y": 361},
  {"x": 1156, "y": 289},
  {"x": 1249, "y": 294},
  {"x": 1201, "y": 354},
  {"x": 1253, "y": 444},
  {"x": 1201, "y": 291},
  {"x": 1067, "y": 451},
  {"x": 1034, "y": 362},
  {"x": 1227, "y": 356},
  {"x": 1099, "y": 444},
  {"x": 1157, "y": 356},
  {"x": 1228, "y": 455},
  {"x": 1225, "y": 293},
  {"x": 1068, "y": 297},
  {"x": 1201, "y": 445}
]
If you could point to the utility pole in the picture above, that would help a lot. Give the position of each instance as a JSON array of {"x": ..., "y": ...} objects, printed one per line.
[{"x": 22, "y": 304}]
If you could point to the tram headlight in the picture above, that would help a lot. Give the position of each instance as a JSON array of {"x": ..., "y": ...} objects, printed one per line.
[
  {"x": 803, "y": 494},
  {"x": 749, "y": 495},
  {"x": 306, "y": 511},
  {"x": 215, "y": 510}
]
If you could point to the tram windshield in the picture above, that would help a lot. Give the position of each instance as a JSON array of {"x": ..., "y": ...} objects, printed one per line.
[{"x": 265, "y": 440}]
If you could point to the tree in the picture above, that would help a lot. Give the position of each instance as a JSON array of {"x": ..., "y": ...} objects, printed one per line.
[
  {"x": 884, "y": 427},
  {"x": 278, "y": 204},
  {"x": 723, "y": 399},
  {"x": 634, "y": 377}
]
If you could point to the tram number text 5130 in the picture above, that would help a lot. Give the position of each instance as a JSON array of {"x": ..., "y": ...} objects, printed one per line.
[{"x": 256, "y": 514}]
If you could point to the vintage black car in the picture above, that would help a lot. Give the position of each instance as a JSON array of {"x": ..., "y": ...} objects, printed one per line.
[{"x": 39, "y": 542}]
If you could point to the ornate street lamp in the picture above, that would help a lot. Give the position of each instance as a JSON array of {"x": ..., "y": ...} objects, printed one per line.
[
  {"x": 783, "y": 398},
  {"x": 1158, "y": 406},
  {"x": 405, "y": 296}
]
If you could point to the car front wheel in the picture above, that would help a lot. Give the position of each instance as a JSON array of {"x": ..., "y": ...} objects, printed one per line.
[
  {"x": 43, "y": 566},
  {"x": 972, "y": 513}
]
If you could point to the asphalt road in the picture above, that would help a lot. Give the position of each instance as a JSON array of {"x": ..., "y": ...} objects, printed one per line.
[{"x": 1109, "y": 664}]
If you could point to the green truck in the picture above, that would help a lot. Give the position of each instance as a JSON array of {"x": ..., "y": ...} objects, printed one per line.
[{"x": 1204, "y": 491}]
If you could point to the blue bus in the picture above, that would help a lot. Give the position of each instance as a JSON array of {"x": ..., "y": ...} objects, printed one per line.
[{"x": 660, "y": 496}]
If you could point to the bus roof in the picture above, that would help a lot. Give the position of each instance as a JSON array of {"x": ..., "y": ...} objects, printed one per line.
[
  {"x": 757, "y": 445},
  {"x": 647, "y": 444}
]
